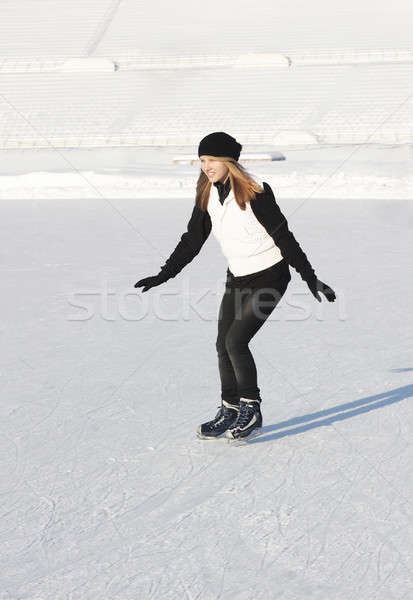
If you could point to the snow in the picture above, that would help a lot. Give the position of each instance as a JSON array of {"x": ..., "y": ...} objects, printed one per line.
[
  {"x": 345, "y": 172},
  {"x": 106, "y": 492}
]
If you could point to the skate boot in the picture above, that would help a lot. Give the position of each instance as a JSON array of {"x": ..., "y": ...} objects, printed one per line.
[
  {"x": 225, "y": 416},
  {"x": 249, "y": 422}
]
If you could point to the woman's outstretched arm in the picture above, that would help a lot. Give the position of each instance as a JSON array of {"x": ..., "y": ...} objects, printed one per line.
[
  {"x": 198, "y": 229},
  {"x": 269, "y": 214},
  {"x": 191, "y": 242}
]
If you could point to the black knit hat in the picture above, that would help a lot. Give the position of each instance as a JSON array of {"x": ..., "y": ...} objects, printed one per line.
[{"x": 219, "y": 143}]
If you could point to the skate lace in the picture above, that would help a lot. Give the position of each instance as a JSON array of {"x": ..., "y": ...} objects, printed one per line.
[
  {"x": 245, "y": 414},
  {"x": 219, "y": 416},
  {"x": 222, "y": 413}
]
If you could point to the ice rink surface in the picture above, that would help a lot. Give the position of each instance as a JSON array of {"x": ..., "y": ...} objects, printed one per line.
[{"x": 105, "y": 490}]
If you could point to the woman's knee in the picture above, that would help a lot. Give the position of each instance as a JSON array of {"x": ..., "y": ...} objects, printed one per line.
[{"x": 234, "y": 344}]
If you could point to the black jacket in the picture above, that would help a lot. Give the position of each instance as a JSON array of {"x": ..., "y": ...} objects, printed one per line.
[{"x": 268, "y": 213}]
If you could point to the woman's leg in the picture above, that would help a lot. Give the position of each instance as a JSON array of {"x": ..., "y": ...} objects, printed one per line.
[
  {"x": 229, "y": 386},
  {"x": 250, "y": 313}
]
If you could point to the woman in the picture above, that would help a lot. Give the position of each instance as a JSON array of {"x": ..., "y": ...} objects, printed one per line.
[{"x": 254, "y": 237}]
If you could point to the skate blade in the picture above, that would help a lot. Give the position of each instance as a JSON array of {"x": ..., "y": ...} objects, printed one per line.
[
  {"x": 210, "y": 437},
  {"x": 245, "y": 440}
]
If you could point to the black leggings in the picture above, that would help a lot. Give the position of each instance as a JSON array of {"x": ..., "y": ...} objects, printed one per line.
[{"x": 244, "y": 309}]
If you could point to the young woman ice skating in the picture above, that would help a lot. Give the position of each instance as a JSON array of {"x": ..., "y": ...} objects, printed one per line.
[{"x": 254, "y": 237}]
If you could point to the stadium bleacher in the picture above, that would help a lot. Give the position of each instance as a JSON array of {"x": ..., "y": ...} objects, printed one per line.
[{"x": 113, "y": 74}]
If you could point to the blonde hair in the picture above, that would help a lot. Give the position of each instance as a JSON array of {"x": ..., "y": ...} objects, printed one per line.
[{"x": 243, "y": 185}]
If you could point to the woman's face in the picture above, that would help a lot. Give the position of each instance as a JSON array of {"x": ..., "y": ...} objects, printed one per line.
[{"x": 214, "y": 169}]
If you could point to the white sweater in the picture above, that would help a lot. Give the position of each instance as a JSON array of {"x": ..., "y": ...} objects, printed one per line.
[{"x": 244, "y": 241}]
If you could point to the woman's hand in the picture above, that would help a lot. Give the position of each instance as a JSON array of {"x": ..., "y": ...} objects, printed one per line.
[
  {"x": 148, "y": 282},
  {"x": 316, "y": 286}
]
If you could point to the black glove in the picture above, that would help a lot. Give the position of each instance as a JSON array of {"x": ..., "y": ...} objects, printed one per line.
[
  {"x": 316, "y": 286},
  {"x": 148, "y": 282}
]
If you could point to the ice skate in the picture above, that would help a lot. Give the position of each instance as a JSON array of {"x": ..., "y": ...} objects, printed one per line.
[
  {"x": 224, "y": 418},
  {"x": 248, "y": 423}
]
